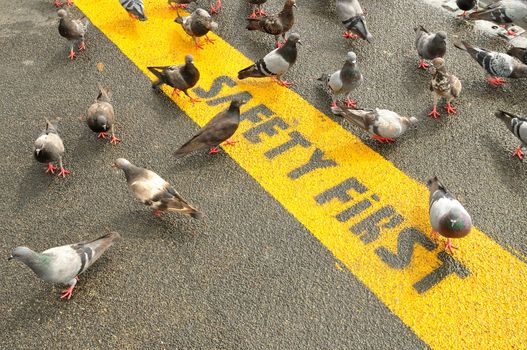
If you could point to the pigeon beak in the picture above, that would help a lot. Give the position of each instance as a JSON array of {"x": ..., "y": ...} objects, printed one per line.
[
  {"x": 37, "y": 151},
  {"x": 299, "y": 42},
  {"x": 10, "y": 257},
  {"x": 294, "y": 5},
  {"x": 114, "y": 165}
]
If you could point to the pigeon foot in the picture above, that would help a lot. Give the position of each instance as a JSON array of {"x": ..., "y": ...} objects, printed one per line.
[
  {"x": 450, "y": 109},
  {"x": 214, "y": 150},
  {"x": 51, "y": 168},
  {"x": 350, "y": 103},
  {"x": 383, "y": 139},
  {"x": 230, "y": 142},
  {"x": 209, "y": 40},
  {"x": 422, "y": 64},
  {"x": 71, "y": 55},
  {"x": 157, "y": 213},
  {"x": 67, "y": 293},
  {"x": 350, "y": 35},
  {"x": 82, "y": 46},
  {"x": 434, "y": 114},
  {"x": 58, "y": 3},
  {"x": 517, "y": 152},
  {"x": 102, "y": 135},
  {"x": 496, "y": 81},
  {"x": 63, "y": 172},
  {"x": 114, "y": 139},
  {"x": 449, "y": 246}
]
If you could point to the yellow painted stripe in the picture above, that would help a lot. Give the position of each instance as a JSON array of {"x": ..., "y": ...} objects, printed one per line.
[{"x": 476, "y": 300}]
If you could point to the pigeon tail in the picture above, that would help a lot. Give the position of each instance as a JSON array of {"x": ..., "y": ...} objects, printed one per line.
[
  {"x": 254, "y": 24},
  {"x": 251, "y": 71}
]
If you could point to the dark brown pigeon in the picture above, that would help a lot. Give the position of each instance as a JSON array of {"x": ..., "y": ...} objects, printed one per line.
[
  {"x": 277, "y": 24},
  {"x": 73, "y": 30}
]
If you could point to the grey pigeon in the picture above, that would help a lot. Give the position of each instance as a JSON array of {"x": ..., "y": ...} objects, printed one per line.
[
  {"x": 519, "y": 53},
  {"x": 63, "y": 264},
  {"x": 197, "y": 24},
  {"x": 257, "y": 8},
  {"x": 504, "y": 12},
  {"x": 101, "y": 116},
  {"x": 154, "y": 191},
  {"x": 429, "y": 45},
  {"x": 217, "y": 130},
  {"x": 135, "y": 9},
  {"x": 276, "y": 63},
  {"x": 466, "y": 5},
  {"x": 344, "y": 81},
  {"x": 518, "y": 126},
  {"x": 49, "y": 148},
  {"x": 443, "y": 85},
  {"x": 277, "y": 24},
  {"x": 382, "y": 124},
  {"x": 73, "y": 30},
  {"x": 180, "y": 77},
  {"x": 447, "y": 216},
  {"x": 351, "y": 15},
  {"x": 497, "y": 65}
]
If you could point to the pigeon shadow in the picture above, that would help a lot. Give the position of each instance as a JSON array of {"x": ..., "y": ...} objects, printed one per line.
[{"x": 40, "y": 184}]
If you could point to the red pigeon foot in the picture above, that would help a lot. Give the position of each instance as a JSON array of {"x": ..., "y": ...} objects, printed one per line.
[
  {"x": 71, "y": 55},
  {"x": 114, "y": 140},
  {"x": 423, "y": 65},
  {"x": 230, "y": 142},
  {"x": 434, "y": 114},
  {"x": 214, "y": 150},
  {"x": 51, "y": 168},
  {"x": 350, "y": 103},
  {"x": 450, "y": 109},
  {"x": 63, "y": 172},
  {"x": 519, "y": 153},
  {"x": 449, "y": 246},
  {"x": 496, "y": 81},
  {"x": 58, "y": 3},
  {"x": 350, "y": 35},
  {"x": 157, "y": 213},
  {"x": 67, "y": 293},
  {"x": 82, "y": 46},
  {"x": 382, "y": 139},
  {"x": 102, "y": 135}
]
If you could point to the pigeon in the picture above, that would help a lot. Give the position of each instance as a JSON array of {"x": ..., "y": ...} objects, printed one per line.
[
  {"x": 63, "y": 264},
  {"x": 181, "y": 77},
  {"x": 180, "y": 4},
  {"x": 519, "y": 53},
  {"x": 497, "y": 65},
  {"x": 351, "y": 15},
  {"x": 218, "y": 129},
  {"x": 49, "y": 148},
  {"x": 198, "y": 24},
  {"x": 444, "y": 85},
  {"x": 276, "y": 63},
  {"x": 152, "y": 190},
  {"x": 518, "y": 126},
  {"x": 466, "y": 5},
  {"x": 429, "y": 45},
  {"x": 344, "y": 81},
  {"x": 447, "y": 215},
  {"x": 504, "y": 12},
  {"x": 277, "y": 24},
  {"x": 383, "y": 125},
  {"x": 135, "y": 9},
  {"x": 101, "y": 117},
  {"x": 58, "y": 3},
  {"x": 257, "y": 8},
  {"x": 73, "y": 30}
]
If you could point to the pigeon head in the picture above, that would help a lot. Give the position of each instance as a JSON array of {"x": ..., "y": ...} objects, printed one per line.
[
  {"x": 434, "y": 184},
  {"x": 21, "y": 253},
  {"x": 351, "y": 57},
  {"x": 441, "y": 36},
  {"x": 294, "y": 38},
  {"x": 290, "y": 3},
  {"x": 201, "y": 12},
  {"x": 121, "y": 163},
  {"x": 409, "y": 121},
  {"x": 189, "y": 59},
  {"x": 438, "y": 62},
  {"x": 237, "y": 103},
  {"x": 62, "y": 13}
]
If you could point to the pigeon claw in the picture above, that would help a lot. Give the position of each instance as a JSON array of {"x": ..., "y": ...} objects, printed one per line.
[
  {"x": 69, "y": 3},
  {"x": 383, "y": 139},
  {"x": 157, "y": 213},
  {"x": 209, "y": 40},
  {"x": 67, "y": 293},
  {"x": 230, "y": 142},
  {"x": 349, "y": 35},
  {"x": 213, "y": 9},
  {"x": 435, "y": 235},
  {"x": 350, "y": 103},
  {"x": 496, "y": 81},
  {"x": 422, "y": 64},
  {"x": 281, "y": 82},
  {"x": 194, "y": 99},
  {"x": 82, "y": 46},
  {"x": 519, "y": 153},
  {"x": 102, "y": 135},
  {"x": 260, "y": 12},
  {"x": 214, "y": 150},
  {"x": 449, "y": 246},
  {"x": 114, "y": 139},
  {"x": 450, "y": 109},
  {"x": 58, "y": 3},
  {"x": 278, "y": 44},
  {"x": 253, "y": 14},
  {"x": 197, "y": 44},
  {"x": 71, "y": 55},
  {"x": 51, "y": 168},
  {"x": 463, "y": 15},
  {"x": 63, "y": 172},
  {"x": 434, "y": 114},
  {"x": 175, "y": 92}
]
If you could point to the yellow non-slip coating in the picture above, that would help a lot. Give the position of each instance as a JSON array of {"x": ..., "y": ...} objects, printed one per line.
[{"x": 476, "y": 301}]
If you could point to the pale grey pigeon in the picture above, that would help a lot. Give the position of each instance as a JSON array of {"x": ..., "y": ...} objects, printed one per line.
[
  {"x": 73, "y": 30},
  {"x": 344, "y": 81},
  {"x": 101, "y": 116},
  {"x": 180, "y": 77},
  {"x": 351, "y": 15},
  {"x": 276, "y": 63},
  {"x": 497, "y": 65},
  {"x": 197, "y": 24},
  {"x": 277, "y": 24},
  {"x": 518, "y": 52},
  {"x": 382, "y": 124},
  {"x": 518, "y": 126},
  {"x": 154, "y": 191},
  {"x": 257, "y": 9},
  {"x": 504, "y": 12},
  {"x": 219, "y": 129},
  {"x": 63, "y": 265},
  {"x": 447, "y": 216},
  {"x": 443, "y": 85},
  {"x": 50, "y": 148},
  {"x": 135, "y": 9},
  {"x": 429, "y": 45}
]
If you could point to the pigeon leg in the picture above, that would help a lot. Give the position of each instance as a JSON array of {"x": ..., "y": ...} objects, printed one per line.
[
  {"x": 277, "y": 42},
  {"x": 71, "y": 55},
  {"x": 213, "y": 9},
  {"x": 114, "y": 139},
  {"x": 349, "y": 35},
  {"x": 51, "y": 168},
  {"x": 63, "y": 172},
  {"x": 230, "y": 142},
  {"x": 218, "y": 5},
  {"x": 69, "y": 3},
  {"x": 192, "y": 99},
  {"x": 496, "y": 81},
  {"x": 450, "y": 109},
  {"x": 67, "y": 293},
  {"x": 519, "y": 153},
  {"x": 175, "y": 92},
  {"x": 253, "y": 14},
  {"x": 102, "y": 135},
  {"x": 422, "y": 64},
  {"x": 260, "y": 11},
  {"x": 214, "y": 150},
  {"x": 350, "y": 103},
  {"x": 382, "y": 139},
  {"x": 58, "y": 3},
  {"x": 209, "y": 40},
  {"x": 435, "y": 235},
  {"x": 434, "y": 114},
  {"x": 463, "y": 15},
  {"x": 197, "y": 44},
  {"x": 281, "y": 82},
  {"x": 333, "y": 104},
  {"x": 157, "y": 213},
  {"x": 82, "y": 46},
  {"x": 449, "y": 246}
]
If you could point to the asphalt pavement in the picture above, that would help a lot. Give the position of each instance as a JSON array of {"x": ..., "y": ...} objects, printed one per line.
[{"x": 248, "y": 275}]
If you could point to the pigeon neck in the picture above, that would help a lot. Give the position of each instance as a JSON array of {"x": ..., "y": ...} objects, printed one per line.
[
  {"x": 287, "y": 11},
  {"x": 36, "y": 261}
]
